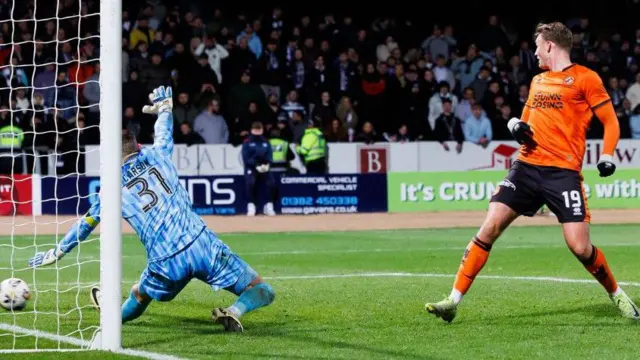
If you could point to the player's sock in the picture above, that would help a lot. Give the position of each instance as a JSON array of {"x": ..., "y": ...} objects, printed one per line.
[
  {"x": 132, "y": 309},
  {"x": 475, "y": 256},
  {"x": 256, "y": 297},
  {"x": 598, "y": 267}
]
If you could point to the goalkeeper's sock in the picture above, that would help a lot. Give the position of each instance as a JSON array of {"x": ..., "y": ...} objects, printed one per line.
[
  {"x": 132, "y": 309},
  {"x": 475, "y": 256},
  {"x": 256, "y": 297},
  {"x": 598, "y": 267}
]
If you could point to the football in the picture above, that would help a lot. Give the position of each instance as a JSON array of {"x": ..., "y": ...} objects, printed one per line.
[{"x": 14, "y": 294}]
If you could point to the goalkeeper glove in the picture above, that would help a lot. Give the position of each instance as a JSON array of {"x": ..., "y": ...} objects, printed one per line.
[
  {"x": 522, "y": 132},
  {"x": 46, "y": 258},
  {"x": 606, "y": 167},
  {"x": 161, "y": 99}
]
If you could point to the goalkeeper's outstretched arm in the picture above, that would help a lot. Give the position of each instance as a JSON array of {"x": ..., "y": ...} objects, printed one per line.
[
  {"x": 163, "y": 130},
  {"x": 162, "y": 105},
  {"x": 78, "y": 233}
]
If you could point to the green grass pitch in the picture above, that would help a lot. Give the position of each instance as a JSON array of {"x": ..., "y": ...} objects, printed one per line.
[{"x": 356, "y": 295}]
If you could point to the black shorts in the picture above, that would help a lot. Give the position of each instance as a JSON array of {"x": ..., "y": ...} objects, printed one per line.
[{"x": 528, "y": 187}]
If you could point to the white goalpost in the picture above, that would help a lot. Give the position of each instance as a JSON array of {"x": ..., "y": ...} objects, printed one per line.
[
  {"x": 110, "y": 173},
  {"x": 43, "y": 121}
]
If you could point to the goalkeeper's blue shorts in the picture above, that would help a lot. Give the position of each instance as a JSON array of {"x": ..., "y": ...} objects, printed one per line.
[{"x": 207, "y": 259}]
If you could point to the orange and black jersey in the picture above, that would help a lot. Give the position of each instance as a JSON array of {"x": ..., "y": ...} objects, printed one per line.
[{"x": 560, "y": 107}]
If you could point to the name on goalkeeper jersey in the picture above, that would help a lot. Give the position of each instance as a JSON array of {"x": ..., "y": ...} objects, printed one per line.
[{"x": 134, "y": 170}]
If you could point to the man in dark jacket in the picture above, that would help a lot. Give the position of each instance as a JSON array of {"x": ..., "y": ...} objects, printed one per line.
[{"x": 257, "y": 157}]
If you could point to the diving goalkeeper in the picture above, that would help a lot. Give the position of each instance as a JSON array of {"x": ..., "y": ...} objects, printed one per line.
[{"x": 179, "y": 246}]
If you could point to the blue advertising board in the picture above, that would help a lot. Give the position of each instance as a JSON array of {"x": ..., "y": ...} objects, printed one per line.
[
  {"x": 68, "y": 195},
  {"x": 225, "y": 195},
  {"x": 329, "y": 194}
]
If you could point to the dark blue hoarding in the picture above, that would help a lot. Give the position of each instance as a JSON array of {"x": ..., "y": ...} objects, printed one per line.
[
  {"x": 225, "y": 195},
  {"x": 333, "y": 194}
]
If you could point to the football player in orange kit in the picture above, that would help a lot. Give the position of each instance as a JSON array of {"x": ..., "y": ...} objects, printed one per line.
[{"x": 552, "y": 132}]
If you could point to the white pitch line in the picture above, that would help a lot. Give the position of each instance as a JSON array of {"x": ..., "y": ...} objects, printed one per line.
[
  {"x": 440, "y": 248},
  {"x": 154, "y": 356},
  {"x": 389, "y": 274},
  {"x": 402, "y": 274},
  {"x": 90, "y": 258},
  {"x": 78, "y": 342}
]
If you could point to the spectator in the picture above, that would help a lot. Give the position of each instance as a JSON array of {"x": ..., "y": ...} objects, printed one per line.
[
  {"x": 244, "y": 93},
  {"x": 439, "y": 44},
  {"x": 499, "y": 124},
  {"x": 204, "y": 74},
  {"x": 443, "y": 73},
  {"x": 66, "y": 95},
  {"x": 242, "y": 124},
  {"x": 156, "y": 74},
  {"x": 634, "y": 123},
  {"x": 403, "y": 134},
  {"x": 298, "y": 74},
  {"x": 517, "y": 73},
  {"x": 215, "y": 54},
  {"x": 624, "y": 113},
  {"x": 477, "y": 127},
  {"x": 325, "y": 112},
  {"x": 614, "y": 91},
  {"x": 437, "y": 100},
  {"x": 184, "y": 111},
  {"x": 271, "y": 69},
  {"x": 188, "y": 136},
  {"x": 463, "y": 110},
  {"x": 633, "y": 93},
  {"x": 91, "y": 94},
  {"x": 297, "y": 126},
  {"x": 467, "y": 68},
  {"x": 292, "y": 105},
  {"x": 254, "y": 42},
  {"x": 481, "y": 83},
  {"x": 141, "y": 33},
  {"x": 335, "y": 132},
  {"x": 448, "y": 127},
  {"x": 368, "y": 134},
  {"x": 210, "y": 124},
  {"x": 348, "y": 116}
]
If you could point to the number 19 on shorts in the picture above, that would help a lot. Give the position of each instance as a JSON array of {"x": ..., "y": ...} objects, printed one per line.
[{"x": 572, "y": 199}]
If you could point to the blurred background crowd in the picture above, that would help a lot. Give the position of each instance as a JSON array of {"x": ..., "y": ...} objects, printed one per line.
[{"x": 360, "y": 76}]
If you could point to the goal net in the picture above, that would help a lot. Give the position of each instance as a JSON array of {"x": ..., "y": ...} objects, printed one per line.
[{"x": 51, "y": 104}]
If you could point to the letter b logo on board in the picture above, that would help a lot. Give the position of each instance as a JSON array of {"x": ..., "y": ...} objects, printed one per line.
[{"x": 373, "y": 160}]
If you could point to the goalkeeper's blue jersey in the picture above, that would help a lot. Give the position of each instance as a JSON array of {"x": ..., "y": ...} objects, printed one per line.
[{"x": 154, "y": 202}]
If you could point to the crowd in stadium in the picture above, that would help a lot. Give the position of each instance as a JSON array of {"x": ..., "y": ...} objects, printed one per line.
[{"x": 358, "y": 81}]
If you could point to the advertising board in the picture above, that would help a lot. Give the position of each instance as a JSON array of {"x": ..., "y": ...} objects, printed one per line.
[{"x": 471, "y": 190}]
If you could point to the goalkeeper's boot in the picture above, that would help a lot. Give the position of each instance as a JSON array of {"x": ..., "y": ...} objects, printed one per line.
[
  {"x": 445, "y": 309},
  {"x": 626, "y": 306},
  {"x": 94, "y": 295},
  {"x": 225, "y": 318}
]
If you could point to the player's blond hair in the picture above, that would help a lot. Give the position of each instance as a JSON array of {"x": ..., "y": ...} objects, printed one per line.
[{"x": 557, "y": 33}]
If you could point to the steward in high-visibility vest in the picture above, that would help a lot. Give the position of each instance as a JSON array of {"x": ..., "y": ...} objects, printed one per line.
[
  {"x": 313, "y": 150},
  {"x": 281, "y": 152},
  {"x": 11, "y": 137}
]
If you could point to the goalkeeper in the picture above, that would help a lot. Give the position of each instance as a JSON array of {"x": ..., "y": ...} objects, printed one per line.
[{"x": 179, "y": 245}]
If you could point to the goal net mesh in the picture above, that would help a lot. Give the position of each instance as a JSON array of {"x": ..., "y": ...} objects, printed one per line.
[{"x": 49, "y": 97}]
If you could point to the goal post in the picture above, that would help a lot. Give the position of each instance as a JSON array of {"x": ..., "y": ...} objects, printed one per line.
[
  {"x": 110, "y": 173},
  {"x": 55, "y": 102}
]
